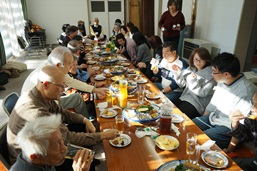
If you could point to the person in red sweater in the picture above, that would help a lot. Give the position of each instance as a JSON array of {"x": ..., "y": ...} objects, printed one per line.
[{"x": 172, "y": 22}]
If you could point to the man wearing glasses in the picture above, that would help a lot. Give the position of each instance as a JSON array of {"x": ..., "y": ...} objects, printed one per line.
[
  {"x": 40, "y": 101},
  {"x": 233, "y": 92}
]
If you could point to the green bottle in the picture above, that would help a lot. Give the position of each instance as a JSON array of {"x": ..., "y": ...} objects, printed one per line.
[{"x": 112, "y": 46}]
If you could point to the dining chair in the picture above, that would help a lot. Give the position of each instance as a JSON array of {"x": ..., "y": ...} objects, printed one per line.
[
  {"x": 4, "y": 154},
  {"x": 9, "y": 102}
]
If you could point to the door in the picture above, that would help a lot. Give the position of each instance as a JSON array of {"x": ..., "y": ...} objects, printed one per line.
[{"x": 107, "y": 11}]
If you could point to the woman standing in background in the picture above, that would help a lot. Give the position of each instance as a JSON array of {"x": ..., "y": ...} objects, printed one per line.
[{"x": 172, "y": 22}]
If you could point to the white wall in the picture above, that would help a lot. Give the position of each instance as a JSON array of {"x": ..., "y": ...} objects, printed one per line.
[
  {"x": 52, "y": 14},
  {"x": 218, "y": 22},
  {"x": 187, "y": 10}
]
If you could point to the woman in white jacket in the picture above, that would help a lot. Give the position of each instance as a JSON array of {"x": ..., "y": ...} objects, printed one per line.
[{"x": 198, "y": 82}]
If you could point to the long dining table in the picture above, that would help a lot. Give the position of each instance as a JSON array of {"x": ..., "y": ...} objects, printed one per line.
[{"x": 142, "y": 154}]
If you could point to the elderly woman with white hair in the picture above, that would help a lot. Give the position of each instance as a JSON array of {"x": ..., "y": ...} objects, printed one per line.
[{"x": 43, "y": 147}]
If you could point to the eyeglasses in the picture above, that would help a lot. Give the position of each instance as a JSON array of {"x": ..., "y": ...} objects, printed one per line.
[
  {"x": 59, "y": 85},
  {"x": 216, "y": 72},
  {"x": 213, "y": 72},
  {"x": 198, "y": 60}
]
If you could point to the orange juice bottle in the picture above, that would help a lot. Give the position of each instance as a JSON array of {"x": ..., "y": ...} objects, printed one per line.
[{"x": 123, "y": 93}]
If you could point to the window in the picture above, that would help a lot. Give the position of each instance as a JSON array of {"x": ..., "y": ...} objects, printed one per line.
[
  {"x": 97, "y": 6},
  {"x": 11, "y": 25},
  {"x": 114, "y": 6}
]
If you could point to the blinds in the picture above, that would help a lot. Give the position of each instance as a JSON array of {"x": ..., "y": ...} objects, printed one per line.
[{"x": 11, "y": 25}]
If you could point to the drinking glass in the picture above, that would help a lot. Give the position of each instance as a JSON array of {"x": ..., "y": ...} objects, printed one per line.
[
  {"x": 141, "y": 94},
  {"x": 114, "y": 99},
  {"x": 123, "y": 93},
  {"x": 109, "y": 98},
  {"x": 119, "y": 119},
  {"x": 196, "y": 156},
  {"x": 165, "y": 119},
  {"x": 191, "y": 139}
]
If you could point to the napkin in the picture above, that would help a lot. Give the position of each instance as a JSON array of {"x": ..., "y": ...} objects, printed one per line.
[
  {"x": 175, "y": 129},
  {"x": 154, "y": 62},
  {"x": 102, "y": 105},
  {"x": 141, "y": 132},
  {"x": 207, "y": 145}
]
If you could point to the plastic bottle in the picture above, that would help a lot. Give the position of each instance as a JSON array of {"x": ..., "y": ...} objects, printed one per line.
[{"x": 112, "y": 46}]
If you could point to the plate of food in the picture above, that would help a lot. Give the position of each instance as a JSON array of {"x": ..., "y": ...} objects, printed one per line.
[
  {"x": 152, "y": 95},
  {"x": 142, "y": 113},
  {"x": 177, "y": 118},
  {"x": 108, "y": 61},
  {"x": 167, "y": 142},
  {"x": 122, "y": 141},
  {"x": 100, "y": 77},
  {"x": 96, "y": 68},
  {"x": 91, "y": 62},
  {"x": 116, "y": 70},
  {"x": 141, "y": 80},
  {"x": 119, "y": 57},
  {"x": 108, "y": 113},
  {"x": 181, "y": 165},
  {"x": 116, "y": 78},
  {"x": 96, "y": 49},
  {"x": 125, "y": 64},
  {"x": 132, "y": 71},
  {"x": 215, "y": 159}
]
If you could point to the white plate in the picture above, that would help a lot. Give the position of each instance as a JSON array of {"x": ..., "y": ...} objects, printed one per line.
[
  {"x": 99, "y": 78},
  {"x": 121, "y": 58},
  {"x": 91, "y": 62},
  {"x": 116, "y": 78},
  {"x": 171, "y": 165},
  {"x": 125, "y": 64},
  {"x": 114, "y": 113},
  {"x": 126, "y": 141},
  {"x": 176, "y": 118},
  {"x": 96, "y": 68},
  {"x": 141, "y": 81},
  {"x": 168, "y": 147},
  {"x": 131, "y": 71},
  {"x": 214, "y": 156},
  {"x": 152, "y": 97}
]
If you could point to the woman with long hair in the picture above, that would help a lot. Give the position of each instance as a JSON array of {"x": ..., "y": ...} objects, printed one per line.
[
  {"x": 143, "y": 54},
  {"x": 198, "y": 82}
]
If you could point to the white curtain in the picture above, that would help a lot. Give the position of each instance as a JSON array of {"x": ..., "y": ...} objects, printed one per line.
[{"x": 11, "y": 25}]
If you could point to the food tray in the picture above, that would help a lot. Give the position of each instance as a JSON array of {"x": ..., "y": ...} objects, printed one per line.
[
  {"x": 116, "y": 70},
  {"x": 135, "y": 116}
]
